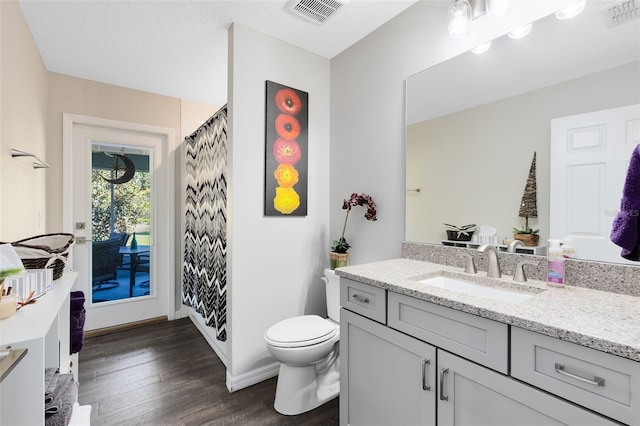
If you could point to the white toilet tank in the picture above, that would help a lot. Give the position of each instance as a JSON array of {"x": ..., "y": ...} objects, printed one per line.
[{"x": 332, "y": 282}]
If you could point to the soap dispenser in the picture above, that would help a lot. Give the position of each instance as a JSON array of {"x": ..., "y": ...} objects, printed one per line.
[{"x": 555, "y": 274}]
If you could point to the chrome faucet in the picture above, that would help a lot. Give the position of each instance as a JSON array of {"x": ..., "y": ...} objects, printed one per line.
[
  {"x": 513, "y": 245},
  {"x": 494, "y": 265}
]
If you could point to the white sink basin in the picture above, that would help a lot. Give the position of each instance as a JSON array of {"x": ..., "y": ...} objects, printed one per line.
[{"x": 477, "y": 289}]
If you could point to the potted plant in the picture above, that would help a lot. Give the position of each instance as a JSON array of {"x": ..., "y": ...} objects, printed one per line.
[
  {"x": 528, "y": 236},
  {"x": 338, "y": 255},
  {"x": 7, "y": 272},
  {"x": 529, "y": 208}
]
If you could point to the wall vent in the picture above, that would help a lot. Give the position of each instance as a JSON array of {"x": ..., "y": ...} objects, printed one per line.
[
  {"x": 317, "y": 11},
  {"x": 621, "y": 12}
]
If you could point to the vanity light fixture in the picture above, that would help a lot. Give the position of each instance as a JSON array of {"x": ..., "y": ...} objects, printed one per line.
[
  {"x": 463, "y": 12},
  {"x": 497, "y": 7},
  {"x": 481, "y": 48},
  {"x": 572, "y": 10},
  {"x": 459, "y": 19},
  {"x": 520, "y": 32}
]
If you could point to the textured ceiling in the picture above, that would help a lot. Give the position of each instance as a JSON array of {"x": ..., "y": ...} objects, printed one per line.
[{"x": 179, "y": 48}]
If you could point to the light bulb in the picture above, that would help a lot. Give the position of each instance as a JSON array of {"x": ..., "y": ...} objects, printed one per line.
[
  {"x": 572, "y": 10},
  {"x": 481, "y": 48},
  {"x": 497, "y": 7},
  {"x": 460, "y": 19},
  {"x": 520, "y": 32}
]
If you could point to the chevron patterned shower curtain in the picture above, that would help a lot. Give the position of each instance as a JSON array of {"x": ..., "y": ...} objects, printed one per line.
[{"x": 205, "y": 264}]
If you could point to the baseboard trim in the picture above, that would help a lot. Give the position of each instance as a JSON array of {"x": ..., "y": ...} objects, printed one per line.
[
  {"x": 124, "y": 327},
  {"x": 207, "y": 337},
  {"x": 252, "y": 377}
]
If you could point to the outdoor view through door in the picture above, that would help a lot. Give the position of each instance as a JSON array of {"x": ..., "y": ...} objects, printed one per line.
[{"x": 121, "y": 222}]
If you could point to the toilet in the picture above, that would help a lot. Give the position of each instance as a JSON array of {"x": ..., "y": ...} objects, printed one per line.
[{"x": 307, "y": 347}]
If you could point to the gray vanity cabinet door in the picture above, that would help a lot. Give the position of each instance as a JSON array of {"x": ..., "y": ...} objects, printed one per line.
[
  {"x": 387, "y": 378},
  {"x": 472, "y": 395}
]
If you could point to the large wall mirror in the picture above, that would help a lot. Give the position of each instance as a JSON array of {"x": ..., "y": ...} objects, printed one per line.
[{"x": 475, "y": 121}]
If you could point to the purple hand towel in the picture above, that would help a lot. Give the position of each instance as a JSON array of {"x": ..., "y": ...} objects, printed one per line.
[
  {"x": 77, "y": 301},
  {"x": 625, "y": 231}
]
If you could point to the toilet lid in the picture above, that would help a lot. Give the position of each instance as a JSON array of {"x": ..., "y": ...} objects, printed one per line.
[{"x": 300, "y": 331}]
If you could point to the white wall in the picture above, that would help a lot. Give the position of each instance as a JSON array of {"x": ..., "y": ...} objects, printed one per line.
[
  {"x": 367, "y": 114},
  {"x": 275, "y": 263},
  {"x": 23, "y": 113}
]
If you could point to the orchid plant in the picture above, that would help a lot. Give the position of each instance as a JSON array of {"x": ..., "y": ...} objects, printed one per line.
[{"x": 341, "y": 245}]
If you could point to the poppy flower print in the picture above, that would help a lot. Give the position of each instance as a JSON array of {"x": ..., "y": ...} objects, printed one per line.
[
  {"x": 287, "y": 126},
  {"x": 286, "y": 201},
  {"x": 288, "y": 101},
  {"x": 286, "y": 175},
  {"x": 287, "y": 151},
  {"x": 286, "y": 140}
]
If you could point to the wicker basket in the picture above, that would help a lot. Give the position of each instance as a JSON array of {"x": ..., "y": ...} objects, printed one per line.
[
  {"x": 45, "y": 251},
  {"x": 459, "y": 236}
]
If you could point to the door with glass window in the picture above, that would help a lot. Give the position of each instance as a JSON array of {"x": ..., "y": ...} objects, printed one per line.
[{"x": 120, "y": 212}]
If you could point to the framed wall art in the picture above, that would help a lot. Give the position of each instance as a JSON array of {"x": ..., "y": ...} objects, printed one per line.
[{"x": 286, "y": 154}]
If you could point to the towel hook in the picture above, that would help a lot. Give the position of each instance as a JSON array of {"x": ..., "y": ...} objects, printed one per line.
[{"x": 38, "y": 164}]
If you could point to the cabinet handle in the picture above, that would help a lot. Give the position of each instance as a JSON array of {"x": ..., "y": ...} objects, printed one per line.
[
  {"x": 443, "y": 396},
  {"x": 425, "y": 381},
  {"x": 359, "y": 298},
  {"x": 596, "y": 381}
]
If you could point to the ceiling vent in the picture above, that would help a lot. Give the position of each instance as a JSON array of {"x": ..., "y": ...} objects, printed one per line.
[
  {"x": 317, "y": 11},
  {"x": 621, "y": 12}
]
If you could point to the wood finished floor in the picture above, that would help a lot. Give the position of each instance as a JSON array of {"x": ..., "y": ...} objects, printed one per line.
[{"x": 166, "y": 374}]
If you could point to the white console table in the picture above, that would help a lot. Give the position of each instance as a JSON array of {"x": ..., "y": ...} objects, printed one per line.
[{"x": 43, "y": 329}]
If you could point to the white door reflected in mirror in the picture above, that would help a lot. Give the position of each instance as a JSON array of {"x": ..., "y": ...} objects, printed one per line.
[{"x": 589, "y": 159}]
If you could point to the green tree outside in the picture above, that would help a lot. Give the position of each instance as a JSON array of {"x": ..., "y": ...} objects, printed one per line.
[{"x": 131, "y": 204}]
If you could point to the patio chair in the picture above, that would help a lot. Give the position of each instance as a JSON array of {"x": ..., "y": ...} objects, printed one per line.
[
  {"x": 123, "y": 237},
  {"x": 105, "y": 264},
  {"x": 143, "y": 266}
]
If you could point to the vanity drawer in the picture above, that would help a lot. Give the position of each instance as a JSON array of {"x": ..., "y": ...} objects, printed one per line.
[
  {"x": 363, "y": 299},
  {"x": 477, "y": 339},
  {"x": 599, "y": 381}
]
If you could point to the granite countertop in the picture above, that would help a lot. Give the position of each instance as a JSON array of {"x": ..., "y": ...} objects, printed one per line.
[{"x": 605, "y": 321}]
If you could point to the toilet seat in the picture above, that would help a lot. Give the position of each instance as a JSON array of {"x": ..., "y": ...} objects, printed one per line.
[{"x": 305, "y": 330}]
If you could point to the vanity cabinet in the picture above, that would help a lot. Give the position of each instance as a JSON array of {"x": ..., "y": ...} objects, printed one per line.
[
  {"x": 387, "y": 378},
  {"x": 427, "y": 364},
  {"x": 478, "y": 339},
  {"x": 470, "y": 394},
  {"x": 605, "y": 383}
]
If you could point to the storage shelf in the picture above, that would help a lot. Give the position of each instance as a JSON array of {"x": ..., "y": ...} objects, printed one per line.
[
  {"x": 34, "y": 321},
  {"x": 539, "y": 250},
  {"x": 42, "y": 330},
  {"x": 7, "y": 363}
]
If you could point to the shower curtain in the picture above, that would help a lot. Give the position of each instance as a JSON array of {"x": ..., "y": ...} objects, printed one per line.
[{"x": 205, "y": 252}]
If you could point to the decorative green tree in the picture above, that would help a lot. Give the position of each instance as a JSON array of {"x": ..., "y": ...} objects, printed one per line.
[{"x": 529, "y": 202}]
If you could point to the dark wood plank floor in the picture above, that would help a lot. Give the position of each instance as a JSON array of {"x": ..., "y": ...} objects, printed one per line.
[{"x": 166, "y": 374}]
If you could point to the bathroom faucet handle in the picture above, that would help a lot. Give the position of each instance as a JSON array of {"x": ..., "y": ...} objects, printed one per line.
[
  {"x": 519, "y": 275},
  {"x": 470, "y": 265}
]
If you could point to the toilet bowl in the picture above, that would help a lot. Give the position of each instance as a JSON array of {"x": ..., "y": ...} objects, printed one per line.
[{"x": 307, "y": 347}]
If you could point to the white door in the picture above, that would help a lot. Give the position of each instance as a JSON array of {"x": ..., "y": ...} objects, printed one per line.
[
  {"x": 589, "y": 159},
  {"x": 121, "y": 298}
]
